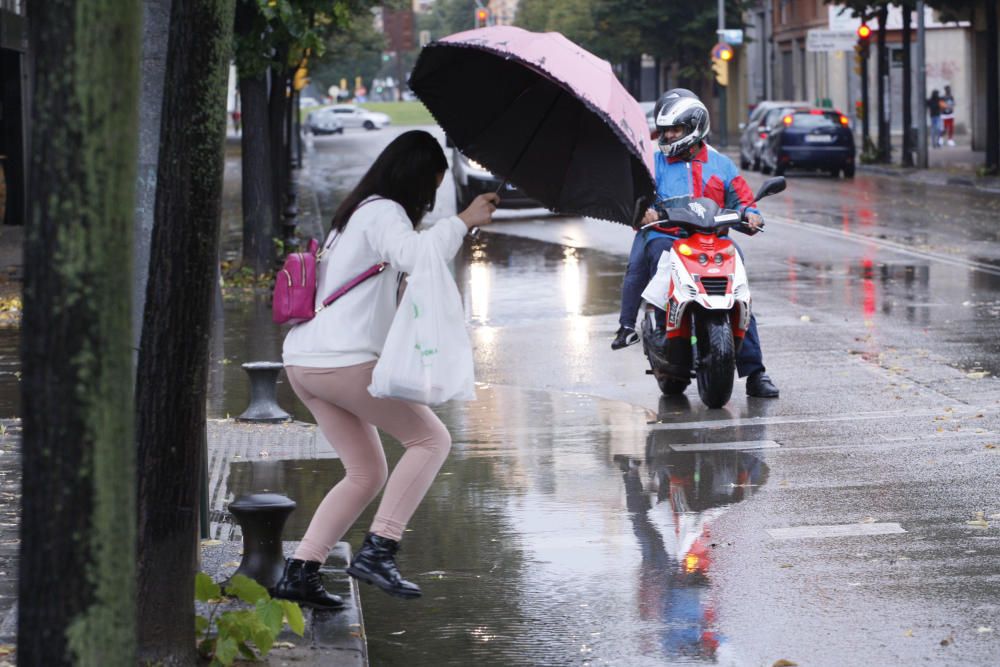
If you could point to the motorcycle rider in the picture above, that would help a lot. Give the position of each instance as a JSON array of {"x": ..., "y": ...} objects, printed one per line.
[{"x": 687, "y": 167}]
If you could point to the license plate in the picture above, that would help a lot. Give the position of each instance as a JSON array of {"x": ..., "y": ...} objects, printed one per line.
[{"x": 819, "y": 138}]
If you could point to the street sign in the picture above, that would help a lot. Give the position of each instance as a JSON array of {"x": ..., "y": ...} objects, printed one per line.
[
  {"x": 732, "y": 36},
  {"x": 830, "y": 40}
]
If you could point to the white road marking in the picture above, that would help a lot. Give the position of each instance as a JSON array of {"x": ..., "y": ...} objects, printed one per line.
[{"x": 840, "y": 530}]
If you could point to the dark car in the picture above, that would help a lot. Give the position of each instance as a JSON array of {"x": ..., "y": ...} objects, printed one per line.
[
  {"x": 754, "y": 131},
  {"x": 809, "y": 139},
  {"x": 473, "y": 179}
]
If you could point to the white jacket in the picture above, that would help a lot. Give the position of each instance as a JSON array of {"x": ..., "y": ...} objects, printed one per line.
[{"x": 352, "y": 330}]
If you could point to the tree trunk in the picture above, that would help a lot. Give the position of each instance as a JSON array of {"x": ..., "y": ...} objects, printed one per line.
[
  {"x": 258, "y": 177},
  {"x": 884, "y": 138},
  {"x": 992, "y": 91},
  {"x": 76, "y": 596},
  {"x": 155, "y": 28},
  {"x": 277, "y": 108},
  {"x": 173, "y": 355},
  {"x": 907, "y": 91}
]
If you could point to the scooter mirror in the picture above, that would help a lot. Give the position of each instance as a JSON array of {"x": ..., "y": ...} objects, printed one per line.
[{"x": 771, "y": 186}]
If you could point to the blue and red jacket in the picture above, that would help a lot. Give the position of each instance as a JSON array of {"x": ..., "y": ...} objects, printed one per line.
[{"x": 708, "y": 174}]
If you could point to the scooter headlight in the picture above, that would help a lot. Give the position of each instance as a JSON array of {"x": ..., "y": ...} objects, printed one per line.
[
  {"x": 703, "y": 259},
  {"x": 718, "y": 258}
]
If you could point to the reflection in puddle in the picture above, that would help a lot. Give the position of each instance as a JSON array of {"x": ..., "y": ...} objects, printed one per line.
[
  {"x": 528, "y": 547},
  {"x": 672, "y": 516}
]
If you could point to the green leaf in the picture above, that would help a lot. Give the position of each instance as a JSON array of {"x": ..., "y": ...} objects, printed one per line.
[
  {"x": 293, "y": 615},
  {"x": 205, "y": 589},
  {"x": 246, "y": 589},
  {"x": 264, "y": 639},
  {"x": 200, "y": 625},
  {"x": 226, "y": 650},
  {"x": 247, "y": 651},
  {"x": 271, "y": 615}
]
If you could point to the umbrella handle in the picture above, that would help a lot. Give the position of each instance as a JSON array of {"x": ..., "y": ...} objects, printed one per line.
[{"x": 474, "y": 232}]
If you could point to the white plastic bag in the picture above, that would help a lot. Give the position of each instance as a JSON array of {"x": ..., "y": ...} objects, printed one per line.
[{"x": 427, "y": 356}]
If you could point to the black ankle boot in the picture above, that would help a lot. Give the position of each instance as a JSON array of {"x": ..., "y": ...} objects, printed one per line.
[
  {"x": 300, "y": 583},
  {"x": 375, "y": 564}
]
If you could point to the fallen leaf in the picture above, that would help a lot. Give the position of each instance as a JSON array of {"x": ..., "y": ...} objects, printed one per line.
[
  {"x": 980, "y": 521},
  {"x": 786, "y": 565},
  {"x": 908, "y": 633},
  {"x": 784, "y": 663},
  {"x": 977, "y": 375},
  {"x": 210, "y": 543},
  {"x": 983, "y": 629},
  {"x": 991, "y": 446},
  {"x": 946, "y": 641},
  {"x": 804, "y": 318},
  {"x": 401, "y": 632},
  {"x": 7, "y": 649},
  {"x": 282, "y": 645},
  {"x": 868, "y": 519}
]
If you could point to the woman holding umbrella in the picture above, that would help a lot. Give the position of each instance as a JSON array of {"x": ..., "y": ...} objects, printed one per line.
[{"x": 329, "y": 362}]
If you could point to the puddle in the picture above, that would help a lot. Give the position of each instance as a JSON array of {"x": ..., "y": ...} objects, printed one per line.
[{"x": 560, "y": 530}]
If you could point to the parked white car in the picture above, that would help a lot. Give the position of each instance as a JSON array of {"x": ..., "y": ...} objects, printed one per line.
[
  {"x": 354, "y": 116},
  {"x": 321, "y": 121}
]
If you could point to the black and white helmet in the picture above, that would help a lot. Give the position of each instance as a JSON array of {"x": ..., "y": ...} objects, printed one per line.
[{"x": 679, "y": 106}]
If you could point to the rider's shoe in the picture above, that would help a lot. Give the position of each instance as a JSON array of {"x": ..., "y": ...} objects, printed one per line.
[
  {"x": 624, "y": 337},
  {"x": 759, "y": 385}
]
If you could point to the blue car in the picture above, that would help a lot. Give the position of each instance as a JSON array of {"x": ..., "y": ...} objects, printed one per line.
[{"x": 809, "y": 139}]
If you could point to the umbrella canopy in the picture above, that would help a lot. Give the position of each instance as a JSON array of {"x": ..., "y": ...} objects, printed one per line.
[{"x": 543, "y": 113}]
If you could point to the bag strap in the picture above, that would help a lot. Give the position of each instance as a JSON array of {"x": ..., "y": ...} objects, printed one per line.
[
  {"x": 329, "y": 246},
  {"x": 373, "y": 270}
]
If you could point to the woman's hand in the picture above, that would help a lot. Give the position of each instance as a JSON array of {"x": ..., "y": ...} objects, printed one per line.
[
  {"x": 480, "y": 211},
  {"x": 650, "y": 216}
]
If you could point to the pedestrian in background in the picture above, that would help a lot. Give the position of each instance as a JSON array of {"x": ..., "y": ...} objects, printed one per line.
[
  {"x": 948, "y": 116},
  {"x": 329, "y": 362},
  {"x": 934, "y": 109}
]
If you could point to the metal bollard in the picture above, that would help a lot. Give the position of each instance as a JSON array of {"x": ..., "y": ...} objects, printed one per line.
[
  {"x": 263, "y": 393},
  {"x": 262, "y": 517}
]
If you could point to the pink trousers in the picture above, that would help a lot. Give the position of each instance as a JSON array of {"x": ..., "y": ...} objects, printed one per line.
[{"x": 348, "y": 416}]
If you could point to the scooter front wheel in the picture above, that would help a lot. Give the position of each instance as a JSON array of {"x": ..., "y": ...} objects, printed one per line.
[{"x": 716, "y": 365}]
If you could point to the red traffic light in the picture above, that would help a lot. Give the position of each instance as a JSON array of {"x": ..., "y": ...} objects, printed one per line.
[{"x": 864, "y": 32}]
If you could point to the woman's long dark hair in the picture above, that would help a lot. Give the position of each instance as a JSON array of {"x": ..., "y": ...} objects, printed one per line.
[{"x": 405, "y": 172}]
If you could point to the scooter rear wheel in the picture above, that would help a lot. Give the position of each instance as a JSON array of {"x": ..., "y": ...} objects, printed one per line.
[{"x": 716, "y": 365}]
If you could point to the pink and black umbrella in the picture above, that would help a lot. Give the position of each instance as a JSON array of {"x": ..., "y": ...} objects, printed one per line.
[{"x": 543, "y": 113}]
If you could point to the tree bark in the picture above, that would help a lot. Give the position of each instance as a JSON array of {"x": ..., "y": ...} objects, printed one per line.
[
  {"x": 907, "y": 90},
  {"x": 277, "y": 108},
  {"x": 173, "y": 355},
  {"x": 76, "y": 595},
  {"x": 258, "y": 179},
  {"x": 884, "y": 138}
]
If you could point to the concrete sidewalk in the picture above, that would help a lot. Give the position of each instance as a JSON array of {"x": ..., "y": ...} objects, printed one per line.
[{"x": 949, "y": 166}]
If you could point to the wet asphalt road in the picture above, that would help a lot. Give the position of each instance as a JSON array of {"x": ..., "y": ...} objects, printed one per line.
[{"x": 582, "y": 519}]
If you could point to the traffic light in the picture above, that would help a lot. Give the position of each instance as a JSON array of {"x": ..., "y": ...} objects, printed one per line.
[
  {"x": 722, "y": 53},
  {"x": 864, "y": 36},
  {"x": 482, "y": 17},
  {"x": 301, "y": 78},
  {"x": 721, "y": 69}
]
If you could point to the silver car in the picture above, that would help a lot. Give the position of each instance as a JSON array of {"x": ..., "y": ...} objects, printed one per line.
[
  {"x": 321, "y": 121},
  {"x": 354, "y": 116}
]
